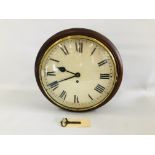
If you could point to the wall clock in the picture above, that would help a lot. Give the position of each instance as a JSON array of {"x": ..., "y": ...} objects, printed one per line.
[{"x": 78, "y": 69}]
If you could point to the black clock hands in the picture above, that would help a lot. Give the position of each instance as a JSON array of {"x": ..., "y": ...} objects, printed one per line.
[{"x": 63, "y": 69}]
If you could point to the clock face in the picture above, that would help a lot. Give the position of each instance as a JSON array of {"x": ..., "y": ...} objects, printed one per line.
[{"x": 77, "y": 72}]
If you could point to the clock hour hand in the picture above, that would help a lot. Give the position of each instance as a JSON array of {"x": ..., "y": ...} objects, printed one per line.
[{"x": 63, "y": 69}]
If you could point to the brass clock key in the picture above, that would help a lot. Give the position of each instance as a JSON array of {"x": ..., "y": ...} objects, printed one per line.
[
  {"x": 65, "y": 122},
  {"x": 78, "y": 123}
]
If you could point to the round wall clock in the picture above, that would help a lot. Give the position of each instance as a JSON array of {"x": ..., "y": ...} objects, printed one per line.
[{"x": 78, "y": 69}]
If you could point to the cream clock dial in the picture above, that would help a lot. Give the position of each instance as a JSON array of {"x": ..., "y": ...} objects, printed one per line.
[{"x": 77, "y": 71}]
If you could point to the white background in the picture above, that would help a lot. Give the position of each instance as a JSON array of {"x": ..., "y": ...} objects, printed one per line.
[{"x": 24, "y": 110}]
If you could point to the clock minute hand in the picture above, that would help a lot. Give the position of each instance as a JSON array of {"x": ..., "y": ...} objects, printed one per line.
[
  {"x": 76, "y": 75},
  {"x": 63, "y": 69},
  {"x": 67, "y": 78}
]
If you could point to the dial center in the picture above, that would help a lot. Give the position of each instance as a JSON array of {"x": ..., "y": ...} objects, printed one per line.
[{"x": 77, "y": 74}]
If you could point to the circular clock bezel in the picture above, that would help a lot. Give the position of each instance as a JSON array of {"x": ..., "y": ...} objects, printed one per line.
[{"x": 88, "y": 33}]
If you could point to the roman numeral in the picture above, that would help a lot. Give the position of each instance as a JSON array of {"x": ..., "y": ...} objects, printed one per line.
[
  {"x": 54, "y": 85},
  {"x": 51, "y": 73},
  {"x": 64, "y": 49},
  {"x": 105, "y": 76},
  {"x": 63, "y": 95},
  {"x": 54, "y": 60},
  {"x": 102, "y": 63},
  {"x": 99, "y": 88},
  {"x": 90, "y": 97},
  {"x": 76, "y": 100},
  {"x": 79, "y": 46},
  {"x": 93, "y": 51}
]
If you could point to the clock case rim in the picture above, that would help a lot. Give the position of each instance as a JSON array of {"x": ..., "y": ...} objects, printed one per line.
[{"x": 88, "y": 33}]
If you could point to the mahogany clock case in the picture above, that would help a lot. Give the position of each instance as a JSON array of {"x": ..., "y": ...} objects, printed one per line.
[{"x": 88, "y": 33}]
